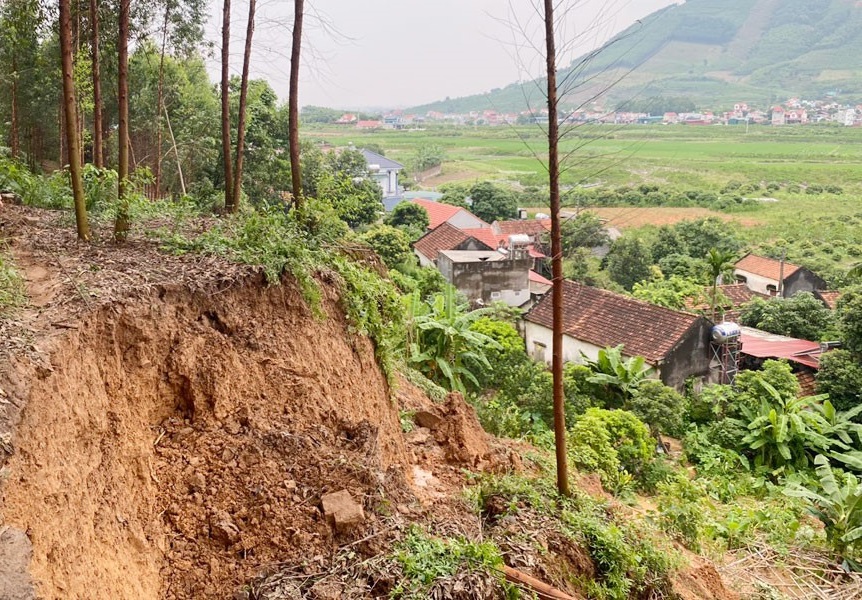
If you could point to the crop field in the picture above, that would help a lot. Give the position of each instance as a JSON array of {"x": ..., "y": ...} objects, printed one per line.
[
  {"x": 690, "y": 156},
  {"x": 820, "y": 229}
]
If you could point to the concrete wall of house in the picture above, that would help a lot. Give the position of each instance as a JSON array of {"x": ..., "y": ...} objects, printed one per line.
[
  {"x": 757, "y": 283},
  {"x": 539, "y": 341},
  {"x": 464, "y": 220},
  {"x": 393, "y": 183},
  {"x": 690, "y": 358},
  {"x": 802, "y": 280},
  {"x": 424, "y": 261},
  {"x": 490, "y": 281}
]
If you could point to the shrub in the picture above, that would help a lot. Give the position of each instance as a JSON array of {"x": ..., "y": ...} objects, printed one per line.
[
  {"x": 628, "y": 437},
  {"x": 424, "y": 560},
  {"x": 391, "y": 244},
  {"x": 711, "y": 403},
  {"x": 659, "y": 406},
  {"x": 840, "y": 377},
  {"x": 682, "y": 504}
]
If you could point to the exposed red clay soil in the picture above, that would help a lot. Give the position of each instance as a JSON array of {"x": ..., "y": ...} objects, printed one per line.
[{"x": 168, "y": 426}]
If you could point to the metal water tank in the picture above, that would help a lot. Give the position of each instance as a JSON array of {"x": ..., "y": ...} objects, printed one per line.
[{"x": 726, "y": 332}]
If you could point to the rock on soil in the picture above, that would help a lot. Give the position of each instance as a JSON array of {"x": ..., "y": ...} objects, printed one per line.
[{"x": 342, "y": 511}]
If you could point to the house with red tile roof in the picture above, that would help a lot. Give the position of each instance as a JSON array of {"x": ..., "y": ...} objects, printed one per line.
[
  {"x": 439, "y": 213},
  {"x": 448, "y": 237},
  {"x": 674, "y": 343},
  {"x": 775, "y": 277},
  {"x": 731, "y": 297},
  {"x": 828, "y": 298}
]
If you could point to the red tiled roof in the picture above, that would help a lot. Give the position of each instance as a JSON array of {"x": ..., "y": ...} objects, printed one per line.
[
  {"x": 737, "y": 293},
  {"x": 443, "y": 237},
  {"x": 487, "y": 236},
  {"x": 536, "y": 278},
  {"x": 807, "y": 382},
  {"x": 438, "y": 212},
  {"x": 829, "y": 298},
  {"x": 765, "y": 267},
  {"x": 607, "y": 319},
  {"x": 524, "y": 226}
]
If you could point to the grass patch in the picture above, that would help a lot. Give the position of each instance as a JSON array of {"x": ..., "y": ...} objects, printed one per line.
[{"x": 12, "y": 291}]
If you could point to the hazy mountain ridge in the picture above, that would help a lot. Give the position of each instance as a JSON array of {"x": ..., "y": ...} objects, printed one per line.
[{"x": 716, "y": 52}]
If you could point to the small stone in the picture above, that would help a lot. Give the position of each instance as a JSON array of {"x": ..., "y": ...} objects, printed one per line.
[
  {"x": 290, "y": 485},
  {"x": 342, "y": 511},
  {"x": 197, "y": 482},
  {"x": 227, "y": 455},
  {"x": 223, "y": 529},
  {"x": 426, "y": 419},
  {"x": 183, "y": 433}
]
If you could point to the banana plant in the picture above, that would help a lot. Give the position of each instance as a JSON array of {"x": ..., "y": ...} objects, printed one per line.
[
  {"x": 441, "y": 342},
  {"x": 838, "y": 505},
  {"x": 621, "y": 377}
]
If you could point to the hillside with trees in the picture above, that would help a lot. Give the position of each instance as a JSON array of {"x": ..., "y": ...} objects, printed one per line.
[{"x": 712, "y": 53}]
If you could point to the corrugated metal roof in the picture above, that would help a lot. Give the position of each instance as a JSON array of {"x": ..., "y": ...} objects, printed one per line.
[
  {"x": 762, "y": 344},
  {"x": 372, "y": 158}
]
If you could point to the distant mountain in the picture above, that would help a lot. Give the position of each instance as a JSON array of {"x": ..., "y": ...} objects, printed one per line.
[{"x": 715, "y": 52}]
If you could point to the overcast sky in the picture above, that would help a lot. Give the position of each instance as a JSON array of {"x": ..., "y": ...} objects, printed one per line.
[{"x": 390, "y": 53}]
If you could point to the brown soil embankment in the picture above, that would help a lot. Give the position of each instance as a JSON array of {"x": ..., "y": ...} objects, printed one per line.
[{"x": 177, "y": 442}]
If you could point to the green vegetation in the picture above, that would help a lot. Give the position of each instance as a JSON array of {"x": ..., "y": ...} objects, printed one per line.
[{"x": 12, "y": 292}]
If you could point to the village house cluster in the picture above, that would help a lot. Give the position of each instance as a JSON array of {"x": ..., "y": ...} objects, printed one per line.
[
  {"x": 505, "y": 261},
  {"x": 792, "y": 112}
]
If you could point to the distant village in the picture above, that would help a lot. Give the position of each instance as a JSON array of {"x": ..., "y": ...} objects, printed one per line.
[{"x": 794, "y": 111}]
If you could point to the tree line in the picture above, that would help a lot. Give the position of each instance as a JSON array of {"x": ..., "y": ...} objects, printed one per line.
[{"x": 123, "y": 85}]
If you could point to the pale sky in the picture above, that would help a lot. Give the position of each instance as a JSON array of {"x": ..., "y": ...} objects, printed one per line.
[{"x": 391, "y": 53}]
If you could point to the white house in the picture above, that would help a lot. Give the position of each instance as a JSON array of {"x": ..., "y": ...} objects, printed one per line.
[
  {"x": 773, "y": 277},
  {"x": 384, "y": 171},
  {"x": 674, "y": 343}
]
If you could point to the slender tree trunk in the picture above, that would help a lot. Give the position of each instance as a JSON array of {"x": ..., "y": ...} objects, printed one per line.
[
  {"x": 243, "y": 95},
  {"x": 293, "y": 104},
  {"x": 98, "y": 151},
  {"x": 176, "y": 153},
  {"x": 14, "y": 145},
  {"x": 161, "y": 101},
  {"x": 121, "y": 223},
  {"x": 225, "y": 108},
  {"x": 69, "y": 110},
  {"x": 556, "y": 254}
]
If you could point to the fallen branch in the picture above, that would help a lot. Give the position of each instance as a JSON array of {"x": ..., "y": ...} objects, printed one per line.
[{"x": 542, "y": 589}]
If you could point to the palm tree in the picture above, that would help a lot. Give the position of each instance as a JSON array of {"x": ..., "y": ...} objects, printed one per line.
[{"x": 718, "y": 261}]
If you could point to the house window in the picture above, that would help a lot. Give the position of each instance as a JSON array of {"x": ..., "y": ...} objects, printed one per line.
[
  {"x": 539, "y": 351},
  {"x": 772, "y": 290},
  {"x": 741, "y": 279}
]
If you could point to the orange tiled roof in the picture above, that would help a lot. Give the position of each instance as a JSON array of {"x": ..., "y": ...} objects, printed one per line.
[
  {"x": 607, "y": 319},
  {"x": 438, "y": 212},
  {"x": 530, "y": 227},
  {"x": 829, "y": 298},
  {"x": 444, "y": 237},
  {"x": 766, "y": 267}
]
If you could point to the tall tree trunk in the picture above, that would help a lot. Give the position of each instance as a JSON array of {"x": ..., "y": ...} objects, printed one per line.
[
  {"x": 556, "y": 254},
  {"x": 243, "y": 96},
  {"x": 69, "y": 110},
  {"x": 293, "y": 104},
  {"x": 225, "y": 108},
  {"x": 14, "y": 145},
  {"x": 161, "y": 100},
  {"x": 98, "y": 151},
  {"x": 121, "y": 223}
]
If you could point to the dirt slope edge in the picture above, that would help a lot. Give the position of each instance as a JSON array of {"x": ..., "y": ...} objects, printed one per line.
[{"x": 179, "y": 442}]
